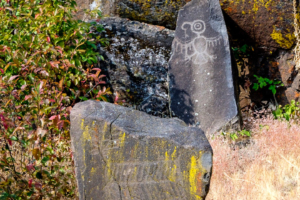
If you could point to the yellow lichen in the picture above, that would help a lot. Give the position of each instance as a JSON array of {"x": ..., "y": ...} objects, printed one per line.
[
  {"x": 255, "y": 7},
  {"x": 122, "y": 140},
  {"x": 82, "y": 124},
  {"x": 194, "y": 170},
  {"x": 286, "y": 41},
  {"x": 86, "y": 135}
]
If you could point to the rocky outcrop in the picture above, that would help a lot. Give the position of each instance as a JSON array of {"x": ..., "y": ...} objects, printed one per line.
[
  {"x": 265, "y": 26},
  {"x": 136, "y": 64},
  {"x": 121, "y": 153},
  {"x": 267, "y": 23}
]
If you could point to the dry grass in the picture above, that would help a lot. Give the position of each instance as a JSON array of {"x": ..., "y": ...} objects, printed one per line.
[{"x": 267, "y": 168}]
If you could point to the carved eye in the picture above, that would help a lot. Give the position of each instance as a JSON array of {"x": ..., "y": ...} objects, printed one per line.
[{"x": 198, "y": 26}]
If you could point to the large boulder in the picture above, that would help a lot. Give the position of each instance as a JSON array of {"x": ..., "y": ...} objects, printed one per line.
[
  {"x": 136, "y": 63},
  {"x": 121, "y": 153},
  {"x": 201, "y": 84}
]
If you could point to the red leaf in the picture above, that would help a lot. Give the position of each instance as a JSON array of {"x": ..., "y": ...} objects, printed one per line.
[
  {"x": 23, "y": 87},
  {"x": 29, "y": 168},
  {"x": 9, "y": 141},
  {"x": 96, "y": 69},
  {"x": 116, "y": 98},
  {"x": 52, "y": 100},
  {"x": 2, "y": 71},
  {"x": 3, "y": 121},
  {"x": 30, "y": 183},
  {"x": 37, "y": 185},
  {"x": 48, "y": 39},
  {"x": 54, "y": 64},
  {"x": 53, "y": 117},
  {"x": 12, "y": 78},
  {"x": 27, "y": 97},
  {"x": 60, "y": 51},
  {"x": 102, "y": 76}
]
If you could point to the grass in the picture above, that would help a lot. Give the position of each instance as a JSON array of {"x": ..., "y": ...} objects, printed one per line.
[{"x": 267, "y": 168}]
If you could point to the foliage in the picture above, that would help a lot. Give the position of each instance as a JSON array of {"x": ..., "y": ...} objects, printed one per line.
[
  {"x": 237, "y": 135},
  {"x": 240, "y": 52},
  {"x": 287, "y": 112},
  {"x": 46, "y": 66},
  {"x": 263, "y": 82}
]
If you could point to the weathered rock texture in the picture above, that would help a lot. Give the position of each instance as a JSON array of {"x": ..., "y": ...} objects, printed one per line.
[
  {"x": 266, "y": 26},
  {"x": 201, "y": 84},
  {"x": 268, "y": 23},
  {"x": 121, "y": 153},
  {"x": 136, "y": 63}
]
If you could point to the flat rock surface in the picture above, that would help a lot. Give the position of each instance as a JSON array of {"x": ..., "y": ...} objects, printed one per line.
[
  {"x": 122, "y": 153},
  {"x": 201, "y": 85}
]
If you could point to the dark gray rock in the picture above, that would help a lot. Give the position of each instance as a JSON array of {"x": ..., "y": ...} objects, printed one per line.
[
  {"x": 122, "y": 153},
  {"x": 136, "y": 64},
  {"x": 201, "y": 84}
]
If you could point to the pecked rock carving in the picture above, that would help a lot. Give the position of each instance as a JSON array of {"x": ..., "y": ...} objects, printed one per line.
[
  {"x": 201, "y": 84},
  {"x": 126, "y": 154},
  {"x": 196, "y": 48}
]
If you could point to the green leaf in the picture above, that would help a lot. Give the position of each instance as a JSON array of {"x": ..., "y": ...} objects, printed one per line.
[
  {"x": 255, "y": 86},
  {"x": 233, "y": 136},
  {"x": 4, "y": 196},
  {"x": 83, "y": 98},
  {"x": 45, "y": 159},
  {"x": 273, "y": 89},
  {"x": 50, "y": 150},
  {"x": 14, "y": 138},
  {"x": 244, "y": 48},
  {"x": 29, "y": 194},
  {"x": 61, "y": 44}
]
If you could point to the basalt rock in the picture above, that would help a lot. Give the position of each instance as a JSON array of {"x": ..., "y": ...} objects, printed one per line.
[
  {"x": 268, "y": 23},
  {"x": 265, "y": 26},
  {"x": 136, "y": 64},
  {"x": 200, "y": 70},
  {"x": 121, "y": 153}
]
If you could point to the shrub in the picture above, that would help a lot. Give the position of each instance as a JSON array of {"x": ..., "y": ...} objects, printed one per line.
[{"x": 46, "y": 66}]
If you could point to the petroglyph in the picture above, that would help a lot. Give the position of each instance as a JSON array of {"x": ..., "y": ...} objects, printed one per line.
[
  {"x": 149, "y": 176},
  {"x": 195, "y": 49},
  {"x": 130, "y": 155},
  {"x": 200, "y": 73}
]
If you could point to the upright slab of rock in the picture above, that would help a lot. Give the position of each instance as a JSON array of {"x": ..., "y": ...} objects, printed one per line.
[
  {"x": 200, "y": 74},
  {"x": 126, "y": 154}
]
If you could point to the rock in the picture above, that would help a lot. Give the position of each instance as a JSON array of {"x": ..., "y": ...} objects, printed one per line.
[
  {"x": 121, "y": 153},
  {"x": 286, "y": 67},
  {"x": 201, "y": 84},
  {"x": 162, "y": 12},
  {"x": 136, "y": 64},
  {"x": 267, "y": 23}
]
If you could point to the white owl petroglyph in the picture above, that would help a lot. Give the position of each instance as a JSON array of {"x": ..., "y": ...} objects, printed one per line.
[{"x": 196, "y": 49}]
